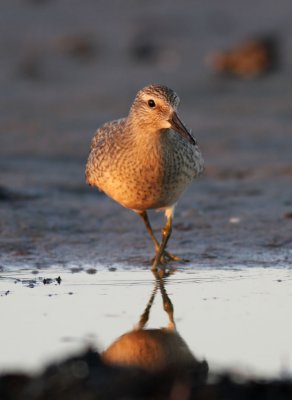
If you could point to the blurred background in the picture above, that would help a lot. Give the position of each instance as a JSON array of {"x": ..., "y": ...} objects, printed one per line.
[{"x": 69, "y": 65}]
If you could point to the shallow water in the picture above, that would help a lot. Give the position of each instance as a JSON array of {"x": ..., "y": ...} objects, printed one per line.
[{"x": 235, "y": 318}]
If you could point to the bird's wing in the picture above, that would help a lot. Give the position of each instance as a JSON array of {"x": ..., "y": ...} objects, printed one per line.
[
  {"x": 100, "y": 146},
  {"x": 105, "y": 131}
]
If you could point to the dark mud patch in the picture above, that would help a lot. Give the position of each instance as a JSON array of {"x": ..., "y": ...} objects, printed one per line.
[
  {"x": 91, "y": 271},
  {"x": 82, "y": 47},
  {"x": 88, "y": 377},
  {"x": 76, "y": 270},
  {"x": 8, "y": 195},
  {"x": 279, "y": 242},
  {"x": 50, "y": 281},
  {"x": 32, "y": 283},
  {"x": 287, "y": 215},
  {"x": 5, "y": 293}
]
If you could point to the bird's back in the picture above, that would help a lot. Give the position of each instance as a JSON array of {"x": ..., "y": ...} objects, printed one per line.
[{"x": 103, "y": 147}]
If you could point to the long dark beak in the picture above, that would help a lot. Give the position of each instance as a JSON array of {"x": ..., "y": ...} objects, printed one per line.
[{"x": 179, "y": 127}]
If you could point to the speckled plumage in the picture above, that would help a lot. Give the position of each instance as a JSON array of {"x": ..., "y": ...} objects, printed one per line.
[
  {"x": 146, "y": 161},
  {"x": 141, "y": 162}
]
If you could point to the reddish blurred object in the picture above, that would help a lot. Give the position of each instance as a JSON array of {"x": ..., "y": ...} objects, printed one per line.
[
  {"x": 250, "y": 59},
  {"x": 79, "y": 46}
]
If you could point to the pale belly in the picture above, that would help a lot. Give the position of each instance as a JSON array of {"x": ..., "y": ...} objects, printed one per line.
[{"x": 142, "y": 193}]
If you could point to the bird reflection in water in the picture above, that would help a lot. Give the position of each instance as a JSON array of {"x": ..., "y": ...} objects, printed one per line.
[{"x": 161, "y": 350}]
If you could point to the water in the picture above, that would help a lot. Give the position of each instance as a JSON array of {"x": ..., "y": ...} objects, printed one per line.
[{"x": 237, "y": 319}]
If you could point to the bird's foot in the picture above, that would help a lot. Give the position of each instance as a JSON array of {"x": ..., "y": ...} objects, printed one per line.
[
  {"x": 163, "y": 272},
  {"x": 172, "y": 257},
  {"x": 165, "y": 258}
]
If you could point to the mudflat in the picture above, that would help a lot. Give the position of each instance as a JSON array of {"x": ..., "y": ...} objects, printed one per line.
[{"x": 64, "y": 72}]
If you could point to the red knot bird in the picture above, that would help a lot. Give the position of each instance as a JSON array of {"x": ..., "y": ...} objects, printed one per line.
[{"x": 146, "y": 160}]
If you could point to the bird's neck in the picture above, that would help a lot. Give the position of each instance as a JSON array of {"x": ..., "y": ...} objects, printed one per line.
[{"x": 144, "y": 134}]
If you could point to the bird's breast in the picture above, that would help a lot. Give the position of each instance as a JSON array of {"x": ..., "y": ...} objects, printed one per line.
[
  {"x": 148, "y": 175},
  {"x": 137, "y": 181}
]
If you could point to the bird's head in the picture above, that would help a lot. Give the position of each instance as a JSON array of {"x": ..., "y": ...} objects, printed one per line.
[{"x": 155, "y": 106}]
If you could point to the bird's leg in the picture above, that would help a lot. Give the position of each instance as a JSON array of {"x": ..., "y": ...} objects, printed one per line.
[
  {"x": 166, "y": 232},
  {"x": 144, "y": 216},
  {"x": 166, "y": 256}
]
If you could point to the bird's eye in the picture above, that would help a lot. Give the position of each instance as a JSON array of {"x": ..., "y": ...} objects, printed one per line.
[{"x": 151, "y": 103}]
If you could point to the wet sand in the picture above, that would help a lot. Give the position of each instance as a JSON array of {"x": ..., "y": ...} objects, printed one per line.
[
  {"x": 68, "y": 72},
  {"x": 50, "y": 217}
]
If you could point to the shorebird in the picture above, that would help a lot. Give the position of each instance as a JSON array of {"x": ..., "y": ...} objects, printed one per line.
[{"x": 146, "y": 160}]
